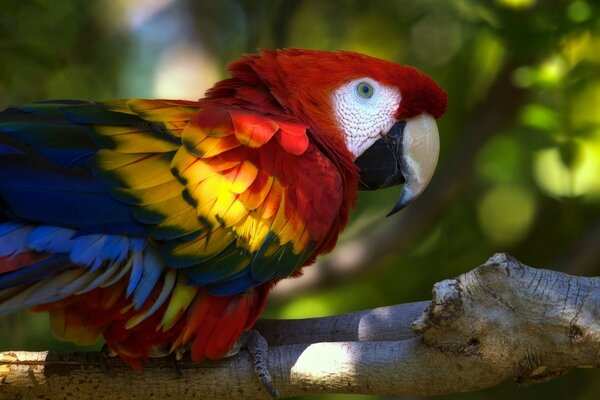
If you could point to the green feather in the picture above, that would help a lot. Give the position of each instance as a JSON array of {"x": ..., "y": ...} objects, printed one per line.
[{"x": 282, "y": 262}]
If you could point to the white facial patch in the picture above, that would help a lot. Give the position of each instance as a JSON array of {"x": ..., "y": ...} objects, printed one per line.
[{"x": 365, "y": 115}]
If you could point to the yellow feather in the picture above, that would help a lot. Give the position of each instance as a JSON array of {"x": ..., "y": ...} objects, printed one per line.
[
  {"x": 203, "y": 212},
  {"x": 292, "y": 231},
  {"x": 171, "y": 206},
  {"x": 154, "y": 194},
  {"x": 214, "y": 187},
  {"x": 252, "y": 231},
  {"x": 125, "y": 309},
  {"x": 181, "y": 298},
  {"x": 234, "y": 214},
  {"x": 159, "y": 111},
  {"x": 128, "y": 140},
  {"x": 209, "y": 146},
  {"x": 136, "y": 170},
  {"x": 179, "y": 215},
  {"x": 288, "y": 228},
  {"x": 190, "y": 167},
  {"x": 168, "y": 284},
  {"x": 280, "y": 220},
  {"x": 209, "y": 244},
  {"x": 225, "y": 200},
  {"x": 246, "y": 174}
]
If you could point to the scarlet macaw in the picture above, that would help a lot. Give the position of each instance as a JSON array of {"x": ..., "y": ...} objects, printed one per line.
[{"x": 164, "y": 223}]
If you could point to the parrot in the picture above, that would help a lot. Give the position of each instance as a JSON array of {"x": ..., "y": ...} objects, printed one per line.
[{"x": 163, "y": 224}]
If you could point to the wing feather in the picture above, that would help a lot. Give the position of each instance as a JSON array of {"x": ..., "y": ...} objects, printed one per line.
[{"x": 227, "y": 199}]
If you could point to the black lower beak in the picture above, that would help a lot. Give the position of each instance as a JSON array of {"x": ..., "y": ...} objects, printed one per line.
[
  {"x": 407, "y": 154},
  {"x": 380, "y": 164}
]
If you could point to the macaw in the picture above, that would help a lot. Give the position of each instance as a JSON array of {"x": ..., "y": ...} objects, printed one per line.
[{"x": 161, "y": 224}]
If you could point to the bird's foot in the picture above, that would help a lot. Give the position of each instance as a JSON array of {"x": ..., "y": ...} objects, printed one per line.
[
  {"x": 173, "y": 355},
  {"x": 259, "y": 348},
  {"x": 105, "y": 354},
  {"x": 175, "y": 364}
]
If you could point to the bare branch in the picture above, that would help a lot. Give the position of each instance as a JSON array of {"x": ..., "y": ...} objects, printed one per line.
[{"x": 502, "y": 320}]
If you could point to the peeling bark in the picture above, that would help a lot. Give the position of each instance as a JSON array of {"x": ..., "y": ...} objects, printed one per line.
[{"x": 502, "y": 320}]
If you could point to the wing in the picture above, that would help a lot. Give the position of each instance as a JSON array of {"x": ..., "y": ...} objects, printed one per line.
[
  {"x": 162, "y": 195},
  {"x": 61, "y": 230},
  {"x": 235, "y": 205},
  {"x": 44, "y": 176}
]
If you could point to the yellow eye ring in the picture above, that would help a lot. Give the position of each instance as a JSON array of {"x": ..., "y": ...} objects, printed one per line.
[{"x": 365, "y": 90}]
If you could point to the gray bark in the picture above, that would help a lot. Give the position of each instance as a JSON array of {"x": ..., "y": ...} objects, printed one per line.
[{"x": 502, "y": 320}]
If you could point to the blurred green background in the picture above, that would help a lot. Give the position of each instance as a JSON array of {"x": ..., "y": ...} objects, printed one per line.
[{"x": 520, "y": 160}]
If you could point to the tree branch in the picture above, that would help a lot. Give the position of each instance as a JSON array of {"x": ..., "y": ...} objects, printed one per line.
[{"x": 502, "y": 320}]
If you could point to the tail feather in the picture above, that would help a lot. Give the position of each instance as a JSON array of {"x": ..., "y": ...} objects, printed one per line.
[
  {"x": 20, "y": 260},
  {"x": 34, "y": 272},
  {"x": 13, "y": 239}
]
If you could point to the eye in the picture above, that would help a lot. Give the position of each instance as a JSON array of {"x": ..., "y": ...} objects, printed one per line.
[{"x": 364, "y": 90}]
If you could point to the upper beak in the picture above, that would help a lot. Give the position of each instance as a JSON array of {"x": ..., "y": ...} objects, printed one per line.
[{"x": 407, "y": 154}]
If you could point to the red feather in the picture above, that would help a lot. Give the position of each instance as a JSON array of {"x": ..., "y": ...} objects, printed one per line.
[{"x": 252, "y": 129}]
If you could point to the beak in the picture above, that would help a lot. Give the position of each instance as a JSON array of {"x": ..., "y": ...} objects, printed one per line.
[{"x": 407, "y": 154}]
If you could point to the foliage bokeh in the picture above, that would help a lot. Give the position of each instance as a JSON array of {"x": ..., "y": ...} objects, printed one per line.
[{"x": 527, "y": 180}]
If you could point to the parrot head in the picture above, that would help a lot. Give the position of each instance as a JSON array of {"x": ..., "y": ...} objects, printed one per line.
[{"x": 381, "y": 115}]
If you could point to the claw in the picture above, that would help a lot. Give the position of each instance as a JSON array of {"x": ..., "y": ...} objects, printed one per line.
[
  {"x": 174, "y": 355},
  {"x": 242, "y": 342},
  {"x": 180, "y": 351},
  {"x": 175, "y": 364},
  {"x": 258, "y": 347}
]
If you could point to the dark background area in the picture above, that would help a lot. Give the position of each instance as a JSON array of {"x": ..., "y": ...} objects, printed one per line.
[{"x": 520, "y": 161}]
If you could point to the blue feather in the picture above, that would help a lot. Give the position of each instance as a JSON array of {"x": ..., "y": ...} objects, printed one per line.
[
  {"x": 12, "y": 238},
  {"x": 120, "y": 272},
  {"x": 74, "y": 199},
  {"x": 102, "y": 279},
  {"x": 8, "y": 227},
  {"x": 69, "y": 288},
  {"x": 136, "y": 272},
  {"x": 51, "y": 239},
  {"x": 46, "y": 131},
  {"x": 49, "y": 290},
  {"x": 6, "y": 149},
  {"x": 237, "y": 284},
  {"x": 132, "y": 228},
  {"x": 153, "y": 268},
  {"x": 86, "y": 251},
  {"x": 95, "y": 114},
  {"x": 115, "y": 248},
  {"x": 168, "y": 284},
  {"x": 67, "y": 157}
]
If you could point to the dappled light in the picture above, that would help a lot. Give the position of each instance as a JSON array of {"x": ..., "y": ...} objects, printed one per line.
[
  {"x": 580, "y": 178},
  {"x": 506, "y": 213},
  {"x": 184, "y": 71}
]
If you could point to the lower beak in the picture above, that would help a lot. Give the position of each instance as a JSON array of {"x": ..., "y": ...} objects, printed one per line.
[{"x": 407, "y": 154}]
